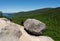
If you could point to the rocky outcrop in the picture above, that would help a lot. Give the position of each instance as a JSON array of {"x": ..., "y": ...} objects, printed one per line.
[
  {"x": 34, "y": 27},
  {"x": 10, "y": 31}
]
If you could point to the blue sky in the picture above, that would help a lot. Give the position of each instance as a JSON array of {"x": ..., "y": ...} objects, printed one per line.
[{"x": 10, "y": 6}]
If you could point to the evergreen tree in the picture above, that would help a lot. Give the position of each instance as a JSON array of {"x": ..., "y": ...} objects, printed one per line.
[{"x": 1, "y": 15}]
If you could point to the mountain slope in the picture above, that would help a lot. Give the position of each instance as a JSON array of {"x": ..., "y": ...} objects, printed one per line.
[{"x": 50, "y": 16}]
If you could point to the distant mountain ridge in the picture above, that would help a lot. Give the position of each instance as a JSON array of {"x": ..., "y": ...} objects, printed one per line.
[{"x": 43, "y": 10}]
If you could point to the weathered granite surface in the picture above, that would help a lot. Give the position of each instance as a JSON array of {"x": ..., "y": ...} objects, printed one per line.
[
  {"x": 10, "y": 31},
  {"x": 34, "y": 27}
]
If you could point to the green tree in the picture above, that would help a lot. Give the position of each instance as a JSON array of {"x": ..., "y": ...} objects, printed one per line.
[{"x": 1, "y": 15}]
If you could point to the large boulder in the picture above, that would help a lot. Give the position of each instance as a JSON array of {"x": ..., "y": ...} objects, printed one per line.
[
  {"x": 34, "y": 27},
  {"x": 9, "y": 31}
]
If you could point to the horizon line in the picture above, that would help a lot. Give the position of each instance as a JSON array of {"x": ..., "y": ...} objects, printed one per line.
[{"x": 28, "y": 10}]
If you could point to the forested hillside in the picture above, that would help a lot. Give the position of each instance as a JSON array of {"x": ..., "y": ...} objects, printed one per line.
[{"x": 50, "y": 16}]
